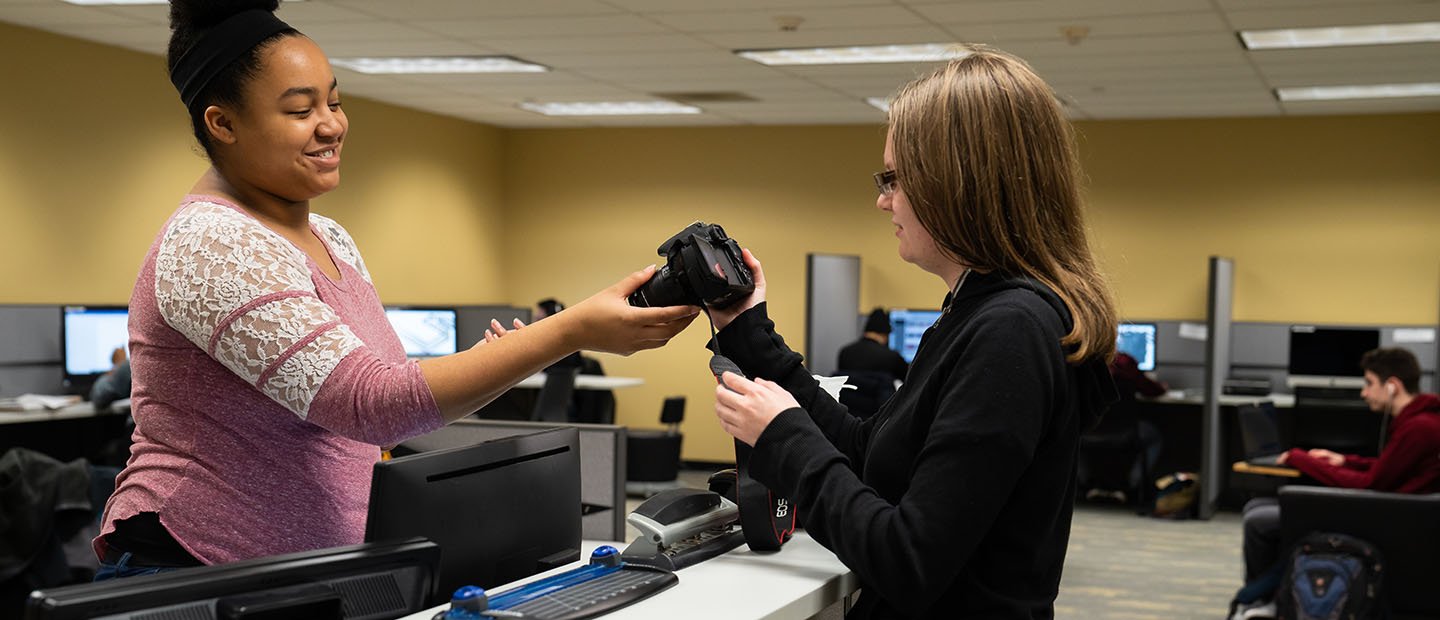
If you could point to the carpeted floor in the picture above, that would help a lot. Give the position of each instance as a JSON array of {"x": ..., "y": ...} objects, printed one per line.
[{"x": 1122, "y": 566}]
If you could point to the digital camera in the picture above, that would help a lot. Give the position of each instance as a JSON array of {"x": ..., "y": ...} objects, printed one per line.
[{"x": 702, "y": 266}]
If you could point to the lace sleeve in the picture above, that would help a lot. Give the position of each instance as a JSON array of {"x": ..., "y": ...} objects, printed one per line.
[{"x": 243, "y": 294}]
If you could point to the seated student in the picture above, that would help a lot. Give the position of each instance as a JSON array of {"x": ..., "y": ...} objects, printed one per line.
[
  {"x": 1406, "y": 465},
  {"x": 587, "y": 406},
  {"x": 1131, "y": 383},
  {"x": 113, "y": 385},
  {"x": 872, "y": 366}
]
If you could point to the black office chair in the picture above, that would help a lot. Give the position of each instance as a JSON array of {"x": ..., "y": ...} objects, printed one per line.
[
  {"x": 553, "y": 403},
  {"x": 593, "y": 406},
  {"x": 1405, "y": 528},
  {"x": 653, "y": 456},
  {"x": 1109, "y": 452}
]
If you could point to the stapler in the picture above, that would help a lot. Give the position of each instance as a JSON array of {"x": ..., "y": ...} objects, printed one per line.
[{"x": 682, "y": 527}]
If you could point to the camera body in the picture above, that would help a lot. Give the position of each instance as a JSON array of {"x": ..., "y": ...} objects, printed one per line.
[{"x": 702, "y": 266}]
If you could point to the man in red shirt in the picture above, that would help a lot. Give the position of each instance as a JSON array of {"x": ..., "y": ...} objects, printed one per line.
[{"x": 1410, "y": 462}]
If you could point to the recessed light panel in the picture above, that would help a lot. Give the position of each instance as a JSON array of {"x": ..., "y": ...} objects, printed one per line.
[
  {"x": 923, "y": 52},
  {"x": 439, "y": 64},
  {"x": 1369, "y": 91},
  {"x": 1341, "y": 36},
  {"x": 609, "y": 108}
]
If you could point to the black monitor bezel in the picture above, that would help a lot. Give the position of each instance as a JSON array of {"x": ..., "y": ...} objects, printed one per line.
[
  {"x": 137, "y": 594},
  {"x": 477, "y": 561},
  {"x": 1302, "y": 370}
]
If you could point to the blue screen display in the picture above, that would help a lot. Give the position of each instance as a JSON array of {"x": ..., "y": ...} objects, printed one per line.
[
  {"x": 906, "y": 329},
  {"x": 91, "y": 337},
  {"x": 1138, "y": 340},
  {"x": 428, "y": 332}
]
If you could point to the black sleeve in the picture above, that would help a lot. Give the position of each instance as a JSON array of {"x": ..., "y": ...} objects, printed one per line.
[
  {"x": 751, "y": 342},
  {"x": 992, "y": 411}
]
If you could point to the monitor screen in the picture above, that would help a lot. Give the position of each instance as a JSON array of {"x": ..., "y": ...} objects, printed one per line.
[
  {"x": 90, "y": 335},
  {"x": 502, "y": 509},
  {"x": 425, "y": 332},
  {"x": 906, "y": 329},
  {"x": 1329, "y": 352},
  {"x": 1138, "y": 341},
  {"x": 371, "y": 581}
]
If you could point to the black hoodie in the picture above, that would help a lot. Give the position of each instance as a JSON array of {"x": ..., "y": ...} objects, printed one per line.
[{"x": 954, "y": 500}]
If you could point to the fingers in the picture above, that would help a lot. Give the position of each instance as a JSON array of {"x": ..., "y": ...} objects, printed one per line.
[
  {"x": 665, "y": 314},
  {"x": 496, "y": 327},
  {"x": 634, "y": 281},
  {"x": 518, "y": 323},
  {"x": 754, "y": 265}
]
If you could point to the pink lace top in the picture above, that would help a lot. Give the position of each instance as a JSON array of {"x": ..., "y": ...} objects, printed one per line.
[{"x": 262, "y": 388}]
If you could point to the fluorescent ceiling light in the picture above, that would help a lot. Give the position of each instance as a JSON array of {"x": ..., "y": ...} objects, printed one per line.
[
  {"x": 439, "y": 64},
  {"x": 1340, "y": 36},
  {"x": 1371, "y": 91},
  {"x": 609, "y": 108},
  {"x": 923, "y": 52},
  {"x": 114, "y": 2},
  {"x": 880, "y": 103}
]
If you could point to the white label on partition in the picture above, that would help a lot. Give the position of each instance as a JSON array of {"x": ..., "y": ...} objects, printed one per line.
[
  {"x": 1415, "y": 334},
  {"x": 1194, "y": 331}
]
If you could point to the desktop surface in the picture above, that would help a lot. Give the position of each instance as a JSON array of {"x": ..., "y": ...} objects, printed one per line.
[{"x": 799, "y": 581}]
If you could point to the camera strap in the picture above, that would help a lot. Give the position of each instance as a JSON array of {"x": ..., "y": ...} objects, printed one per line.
[{"x": 766, "y": 518}]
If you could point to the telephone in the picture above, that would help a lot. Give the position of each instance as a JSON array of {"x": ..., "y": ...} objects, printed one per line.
[{"x": 682, "y": 527}]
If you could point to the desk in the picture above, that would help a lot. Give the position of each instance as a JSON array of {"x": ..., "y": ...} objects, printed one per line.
[
  {"x": 800, "y": 581},
  {"x": 1281, "y": 401},
  {"x": 584, "y": 382},
  {"x": 69, "y": 412},
  {"x": 67, "y": 433},
  {"x": 1280, "y": 471}
]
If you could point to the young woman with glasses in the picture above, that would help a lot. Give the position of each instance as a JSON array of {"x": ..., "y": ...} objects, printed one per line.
[{"x": 954, "y": 500}]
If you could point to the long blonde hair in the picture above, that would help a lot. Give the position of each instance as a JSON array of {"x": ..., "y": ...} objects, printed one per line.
[{"x": 987, "y": 160}]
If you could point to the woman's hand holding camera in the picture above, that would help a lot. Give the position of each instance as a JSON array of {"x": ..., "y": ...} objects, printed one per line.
[
  {"x": 723, "y": 316},
  {"x": 607, "y": 322},
  {"x": 745, "y": 408}
]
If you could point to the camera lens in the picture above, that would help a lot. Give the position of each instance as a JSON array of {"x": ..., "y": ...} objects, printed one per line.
[{"x": 665, "y": 288}]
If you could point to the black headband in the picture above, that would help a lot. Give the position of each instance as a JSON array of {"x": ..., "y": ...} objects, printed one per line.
[{"x": 220, "y": 46}]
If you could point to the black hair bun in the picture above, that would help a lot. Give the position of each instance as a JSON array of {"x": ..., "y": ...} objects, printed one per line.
[{"x": 193, "y": 15}]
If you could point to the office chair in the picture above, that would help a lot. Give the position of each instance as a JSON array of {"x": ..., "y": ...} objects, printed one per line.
[
  {"x": 553, "y": 403},
  {"x": 653, "y": 456},
  {"x": 1109, "y": 452},
  {"x": 1405, "y": 528}
]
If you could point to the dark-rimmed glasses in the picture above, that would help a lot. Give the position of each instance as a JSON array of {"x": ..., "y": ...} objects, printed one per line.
[{"x": 885, "y": 182}]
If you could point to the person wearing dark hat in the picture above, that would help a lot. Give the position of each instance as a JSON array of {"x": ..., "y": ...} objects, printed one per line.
[
  {"x": 873, "y": 367},
  {"x": 265, "y": 374}
]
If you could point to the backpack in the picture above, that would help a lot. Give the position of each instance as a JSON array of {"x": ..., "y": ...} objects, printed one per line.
[
  {"x": 1332, "y": 577},
  {"x": 1175, "y": 495}
]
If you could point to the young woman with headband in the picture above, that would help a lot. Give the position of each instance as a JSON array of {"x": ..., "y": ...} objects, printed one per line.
[{"x": 265, "y": 372}]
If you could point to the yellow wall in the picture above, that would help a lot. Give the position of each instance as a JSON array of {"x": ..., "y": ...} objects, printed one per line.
[
  {"x": 95, "y": 152},
  {"x": 1329, "y": 219}
]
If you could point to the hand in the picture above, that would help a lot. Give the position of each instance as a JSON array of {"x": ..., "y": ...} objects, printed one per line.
[
  {"x": 723, "y": 317},
  {"x": 748, "y": 409},
  {"x": 498, "y": 331},
  {"x": 1335, "y": 459},
  {"x": 1283, "y": 459},
  {"x": 607, "y": 322}
]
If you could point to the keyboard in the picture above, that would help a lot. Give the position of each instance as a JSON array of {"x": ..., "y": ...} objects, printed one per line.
[{"x": 605, "y": 585}]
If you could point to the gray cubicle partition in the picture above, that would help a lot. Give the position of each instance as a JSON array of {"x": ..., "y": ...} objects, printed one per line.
[
  {"x": 30, "y": 356},
  {"x": 1217, "y": 364},
  {"x": 602, "y": 464},
  {"x": 472, "y": 321},
  {"x": 832, "y": 297}
]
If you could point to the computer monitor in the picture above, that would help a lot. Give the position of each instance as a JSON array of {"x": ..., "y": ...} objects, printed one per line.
[
  {"x": 501, "y": 510},
  {"x": 1138, "y": 341},
  {"x": 1329, "y": 351},
  {"x": 364, "y": 582},
  {"x": 425, "y": 332},
  {"x": 906, "y": 329},
  {"x": 89, "y": 336}
]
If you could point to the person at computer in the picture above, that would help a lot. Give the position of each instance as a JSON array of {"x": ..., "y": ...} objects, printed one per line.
[
  {"x": 1407, "y": 464},
  {"x": 265, "y": 372},
  {"x": 114, "y": 384},
  {"x": 871, "y": 365},
  {"x": 954, "y": 500}
]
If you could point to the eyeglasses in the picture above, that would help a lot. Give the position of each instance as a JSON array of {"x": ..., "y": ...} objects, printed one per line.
[{"x": 885, "y": 182}]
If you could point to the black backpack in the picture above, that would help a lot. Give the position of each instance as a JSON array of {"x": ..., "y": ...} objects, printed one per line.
[{"x": 1332, "y": 577}]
